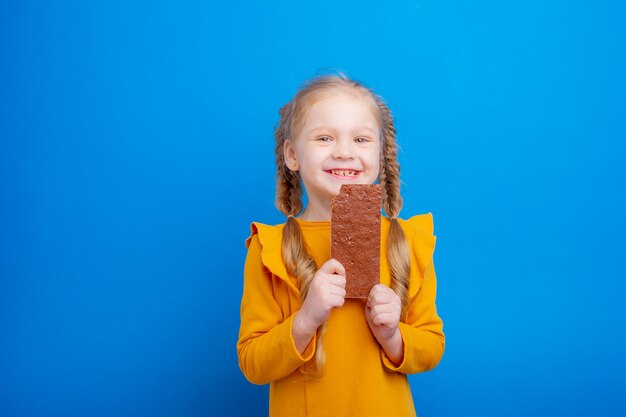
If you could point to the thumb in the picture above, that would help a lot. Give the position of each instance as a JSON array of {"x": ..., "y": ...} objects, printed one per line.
[{"x": 333, "y": 266}]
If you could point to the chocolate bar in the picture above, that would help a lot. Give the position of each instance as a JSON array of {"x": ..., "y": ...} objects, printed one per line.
[{"x": 355, "y": 236}]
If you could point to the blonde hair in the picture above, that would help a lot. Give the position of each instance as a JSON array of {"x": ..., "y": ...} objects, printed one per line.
[{"x": 289, "y": 191}]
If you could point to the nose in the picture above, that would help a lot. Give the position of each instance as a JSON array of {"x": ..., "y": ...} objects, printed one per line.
[{"x": 343, "y": 149}]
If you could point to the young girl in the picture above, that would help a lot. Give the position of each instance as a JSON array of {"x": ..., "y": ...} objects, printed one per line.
[{"x": 323, "y": 354}]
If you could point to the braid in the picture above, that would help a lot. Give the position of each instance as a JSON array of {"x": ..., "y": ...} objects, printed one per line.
[
  {"x": 397, "y": 248},
  {"x": 302, "y": 266},
  {"x": 298, "y": 262},
  {"x": 288, "y": 185},
  {"x": 288, "y": 192},
  {"x": 389, "y": 165}
]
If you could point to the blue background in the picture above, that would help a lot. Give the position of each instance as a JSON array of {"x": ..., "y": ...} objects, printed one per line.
[{"x": 137, "y": 145}]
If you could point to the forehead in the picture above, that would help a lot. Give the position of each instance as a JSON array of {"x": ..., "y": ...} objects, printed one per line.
[{"x": 341, "y": 110}]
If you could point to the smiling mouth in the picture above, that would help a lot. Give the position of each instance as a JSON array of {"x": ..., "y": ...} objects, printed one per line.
[{"x": 344, "y": 172}]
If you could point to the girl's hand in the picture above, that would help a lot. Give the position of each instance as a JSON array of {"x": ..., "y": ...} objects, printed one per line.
[
  {"x": 327, "y": 291},
  {"x": 382, "y": 312}
]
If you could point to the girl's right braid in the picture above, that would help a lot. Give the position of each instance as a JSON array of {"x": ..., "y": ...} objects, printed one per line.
[
  {"x": 294, "y": 195},
  {"x": 288, "y": 186},
  {"x": 298, "y": 262}
]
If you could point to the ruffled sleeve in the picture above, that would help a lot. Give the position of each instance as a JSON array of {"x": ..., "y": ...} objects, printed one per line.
[
  {"x": 422, "y": 332},
  {"x": 420, "y": 235},
  {"x": 270, "y": 240},
  {"x": 266, "y": 349}
]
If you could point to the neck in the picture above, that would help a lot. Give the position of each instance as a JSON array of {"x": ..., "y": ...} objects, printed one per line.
[{"x": 316, "y": 212}]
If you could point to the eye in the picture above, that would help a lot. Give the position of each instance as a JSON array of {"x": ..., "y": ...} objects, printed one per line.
[
  {"x": 324, "y": 139},
  {"x": 362, "y": 140}
]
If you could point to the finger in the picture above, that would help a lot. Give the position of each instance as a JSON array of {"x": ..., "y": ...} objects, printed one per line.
[
  {"x": 379, "y": 288},
  {"x": 382, "y": 309},
  {"x": 373, "y": 300},
  {"x": 385, "y": 319},
  {"x": 391, "y": 313},
  {"x": 378, "y": 291},
  {"x": 336, "y": 280},
  {"x": 339, "y": 291},
  {"x": 335, "y": 290},
  {"x": 380, "y": 299},
  {"x": 336, "y": 301},
  {"x": 333, "y": 266},
  {"x": 368, "y": 314}
]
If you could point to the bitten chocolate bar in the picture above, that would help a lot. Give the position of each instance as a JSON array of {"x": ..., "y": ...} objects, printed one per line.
[{"x": 355, "y": 236}]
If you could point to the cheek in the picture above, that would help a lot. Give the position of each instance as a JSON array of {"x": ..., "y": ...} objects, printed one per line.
[
  {"x": 313, "y": 158},
  {"x": 376, "y": 172},
  {"x": 374, "y": 161}
]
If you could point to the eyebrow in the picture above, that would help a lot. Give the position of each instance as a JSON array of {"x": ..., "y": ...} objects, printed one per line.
[{"x": 331, "y": 128}]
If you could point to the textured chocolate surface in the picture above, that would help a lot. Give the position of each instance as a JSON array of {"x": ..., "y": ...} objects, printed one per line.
[{"x": 355, "y": 236}]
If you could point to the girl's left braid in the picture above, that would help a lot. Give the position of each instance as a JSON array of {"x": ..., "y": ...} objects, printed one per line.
[{"x": 397, "y": 249}]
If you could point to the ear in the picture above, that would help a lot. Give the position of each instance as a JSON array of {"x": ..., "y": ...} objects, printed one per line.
[{"x": 289, "y": 153}]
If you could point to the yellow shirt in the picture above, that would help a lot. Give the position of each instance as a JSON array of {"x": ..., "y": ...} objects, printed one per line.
[{"x": 359, "y": 379}]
